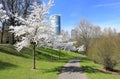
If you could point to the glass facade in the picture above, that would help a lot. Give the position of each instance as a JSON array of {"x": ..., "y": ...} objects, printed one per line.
[{"x": 56, "y": 21}]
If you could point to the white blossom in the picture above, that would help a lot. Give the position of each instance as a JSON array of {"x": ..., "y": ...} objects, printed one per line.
[
  {"x": 3, "y": 15},
  {"x": 81, "y": 48},
  {"x": 35, "y": 28},
  {"x": 62, "y": 41}
]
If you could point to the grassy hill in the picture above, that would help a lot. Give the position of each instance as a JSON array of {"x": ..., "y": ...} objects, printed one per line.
[{"x": 18, "y": 65}]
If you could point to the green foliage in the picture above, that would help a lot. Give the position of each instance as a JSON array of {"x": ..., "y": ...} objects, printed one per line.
[
  {"x": 15, "y": 65},
  {"x": 94, "y": 71}
]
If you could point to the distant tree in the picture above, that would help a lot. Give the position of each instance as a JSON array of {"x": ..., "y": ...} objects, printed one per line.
[
  {"x": 61, "y": 42},
  {"x": 96, "y": 31},
  {"x": 35, "y": 30},
  {"x": 85, "y": 33},
  {"x": 108, "y": 32}
]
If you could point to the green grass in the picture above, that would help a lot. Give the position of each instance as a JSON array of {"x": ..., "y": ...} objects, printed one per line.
[
  {"x": 14, "y": 65},
  {"x": 93, "y": 70}
]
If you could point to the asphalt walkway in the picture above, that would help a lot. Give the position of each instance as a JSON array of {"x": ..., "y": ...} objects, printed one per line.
[{"x": 72, "y": 70}]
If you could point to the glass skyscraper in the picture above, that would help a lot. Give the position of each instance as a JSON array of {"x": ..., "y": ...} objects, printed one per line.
[{"x": 56, "y": 21}]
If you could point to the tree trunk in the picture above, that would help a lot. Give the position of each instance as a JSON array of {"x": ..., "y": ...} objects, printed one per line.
[
  {"x": 86, "y": 49},
  {"x": 109, "y": 68},
  {"x": 51, "y": 55},
  {"x": 108, "y": 65},
  {"x": 59, "y": 54},
  {"x": 51, "y": 58},
  {"x": 2, "y": 33},
  {"x": 34, "y": 62},
  {"x": 13, "y": 38}
]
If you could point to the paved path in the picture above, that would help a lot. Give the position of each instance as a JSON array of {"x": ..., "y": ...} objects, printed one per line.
[{"x": 72, "y": 70}]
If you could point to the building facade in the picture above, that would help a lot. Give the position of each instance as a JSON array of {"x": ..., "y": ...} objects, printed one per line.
[
  {"x": 73, "y": 33},
  {"x": 56, "y": 22}
]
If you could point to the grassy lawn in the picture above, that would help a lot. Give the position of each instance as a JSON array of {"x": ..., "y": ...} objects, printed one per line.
[
  {"x": 14, "y": 65},
  {"x": 93, "y": 70}
]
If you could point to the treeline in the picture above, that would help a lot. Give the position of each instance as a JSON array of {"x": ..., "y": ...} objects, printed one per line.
[{"x": 102, "y": 46}]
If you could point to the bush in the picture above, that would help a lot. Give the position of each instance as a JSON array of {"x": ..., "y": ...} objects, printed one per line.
[{"x": 106, "y": 52}]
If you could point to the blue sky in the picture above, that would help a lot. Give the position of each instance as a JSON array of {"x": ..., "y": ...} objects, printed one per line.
[{"x": 105, "y": 13}]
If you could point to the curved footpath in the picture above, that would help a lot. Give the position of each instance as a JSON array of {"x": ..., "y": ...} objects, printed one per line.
[{"x": 72, "y": 70}]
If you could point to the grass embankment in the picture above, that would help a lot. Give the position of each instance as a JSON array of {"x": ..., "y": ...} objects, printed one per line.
[
  {"x": 95, "y": 71},
  {"x": 14, "y": 65}
]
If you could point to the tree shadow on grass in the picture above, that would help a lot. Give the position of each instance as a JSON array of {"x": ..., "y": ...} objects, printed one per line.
[
  {"x": 84, "y": 59},
  {"x": 45, "y": 56},
  {"x": 71, "y": 69},
  {"x": 56, "y": 69},
  {"x": 55, "y": 52},
  {"x": 89, "y": 69},
  {"x": 93, "y": 69},
  {"x": 61, "y": 69},
  {"x": 9, "y": 49},
  {"x": 78, "y": 60},
  {"x": 6, "y": 65}
]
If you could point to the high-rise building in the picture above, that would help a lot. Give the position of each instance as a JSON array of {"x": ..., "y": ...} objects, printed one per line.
[
  {"x": 56, "y": 21},
  {"x": 73, "y": 33}
]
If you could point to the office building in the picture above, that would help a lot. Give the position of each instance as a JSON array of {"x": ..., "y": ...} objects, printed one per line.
[
  {"x": 73, "y": 33},
  {"x": 56, "y": 22}
]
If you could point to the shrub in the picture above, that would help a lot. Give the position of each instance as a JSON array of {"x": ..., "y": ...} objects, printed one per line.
[{"x": 106, "y": 52}]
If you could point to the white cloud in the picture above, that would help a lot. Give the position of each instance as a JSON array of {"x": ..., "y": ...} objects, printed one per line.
[{"x": 114, "y": 5}]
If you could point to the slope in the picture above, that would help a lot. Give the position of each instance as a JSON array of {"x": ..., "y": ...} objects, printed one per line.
[{"x": 18, "y": 65}]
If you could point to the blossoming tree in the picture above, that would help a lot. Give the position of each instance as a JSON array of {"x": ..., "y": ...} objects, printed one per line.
[
  {"x": 62, "y": 41},
  {"x": 35, "y": 29}
]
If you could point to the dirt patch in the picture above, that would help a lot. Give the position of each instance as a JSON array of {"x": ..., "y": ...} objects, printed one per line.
[{"x": 115, "y": 72}]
